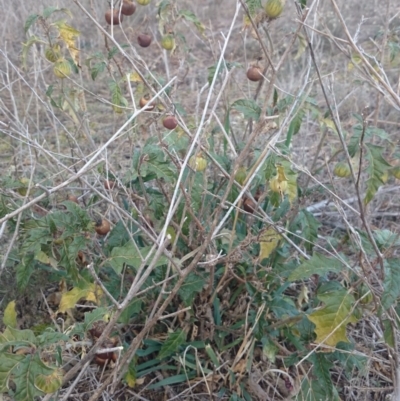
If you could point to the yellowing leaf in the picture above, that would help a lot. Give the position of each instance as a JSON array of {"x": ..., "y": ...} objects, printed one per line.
[
  {"x": 328, "y": 122},
  {"x": 49, "y": 383},
  {"x": 69, "y": 299},
  {"x": 302, "y": 46},
  {"x": 69, "y": 35},
  {"x": 130, "y": 379},
  {"x": 134, "y": 77},
  {"x": 269, "y": 240},
  {"x": 332, "y": 319},
  {"x": 10, "y": 315},
  {"x": 42, "y": 258}
]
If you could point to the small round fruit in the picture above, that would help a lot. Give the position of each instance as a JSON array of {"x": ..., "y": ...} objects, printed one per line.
[
  {"x": 73, "y": 198},
  {"x": 109, "y": 184},
  {"x": 113, "y": 17},
  {"x": 62, "y": 69},
  {"x": 52, "y": 53},
  {"x": 198, "y": 163},
  {"x": 170, "y": 122},
  {"x": 342, "y": 170},
  {"x": 128, "y": 7},
  {"x": 241, "y": 175},
  {"x": 143, "y": 2},
  {"x": 102, "y": 227},
  {"x": 274, "y": 8},
  {"x": 254, "y": 73},
  {"x": 144, "y": 102},
  {"x": 23, "y": 189},
  {"x": 144, "y": 40},
  {"x": 248, "y": 205},
  {"x": 167, "y": 42}
]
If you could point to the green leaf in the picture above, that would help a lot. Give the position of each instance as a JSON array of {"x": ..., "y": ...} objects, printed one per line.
[
  {"x": 97, "y": 69},
  {"x": 130, "y": 311},
  {"x": 189, "y": 16},
  {"x": 24, "y": 375},
  {"x": 15, "y": 337},
  {"x": 50, "y": 337},
  {"x": 377, "y": 168},
  {"x": 182, "y": 378},
  {"x": 314, "y": 390},
  {"x": 388, "y": 333},
  {"x": 391, "y": 284},
  {"x": 94, "y": 316},
  {"x": 248, "y": 107},
  {"x": 321, "y": 366},
  {"x": 47, "y": 12},
  {"x": 30, "y": 20},
  {"x": 318, "y": 264},
  {"x": 308, "y": 227},
  {"x": 130, "y": 255},
  {"x": 294, "y": 126},
  {"x": 192, "y": 285},
  {"x": 213, "y": 70},
  {"x": 172, "y": 343},
  {"x": 7, "y": 363},
  {"x": 331, "y": 320},
  {"x": 26, "y": 46}
]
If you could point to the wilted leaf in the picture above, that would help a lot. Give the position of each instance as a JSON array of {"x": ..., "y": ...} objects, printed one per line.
[
  {"x": 318, "y": 264},
  {"x": 331, "y": 320},
  {"x": 269, "y": 240},
  {"x": 10, "y": 315}
]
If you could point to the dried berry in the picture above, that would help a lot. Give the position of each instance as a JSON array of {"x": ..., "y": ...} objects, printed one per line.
[
  {"x": 144, "y": 40},
  {"x": 102, "y": 227},
  {"x": 113, "y": 17},
  {"x": 128, "y": 7},
  {"x": 170, "y": 122},
  {"x": 254, "y": 73}
]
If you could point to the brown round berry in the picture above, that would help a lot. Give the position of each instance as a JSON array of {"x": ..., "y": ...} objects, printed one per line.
[
  {"x": 254, "y": 73},
  {"x": 128, "y": 7},
  {"x": 73, "y": 198},
  {"x": 248, "y": 205},
  {"x": 144, "y": 102},
  {"x": 144, "y": 40},
  {"x": 170, "y": 122},
  {"x": 113, "y": 17},
  {"x": 109, "y": 184},
  {"x": 102, "y": 227}
]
